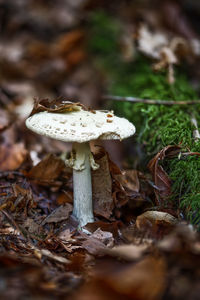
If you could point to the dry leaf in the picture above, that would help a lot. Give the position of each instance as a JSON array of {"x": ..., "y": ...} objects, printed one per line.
[
  {"x": 12, "y": 156},
  {"x": 160, "y": 177},
  {"x": 97, "y": 242},
  {"x": 102, "y": 189},
  {"x": 54, "y": 106},
  {"x": 105, "y": 236},
  {"x": 59, "y": 214},
  {"x": 47, "y": 170}
]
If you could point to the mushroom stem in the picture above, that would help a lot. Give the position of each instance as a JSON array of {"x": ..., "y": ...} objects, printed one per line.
[{"x": 82, "y": 183}]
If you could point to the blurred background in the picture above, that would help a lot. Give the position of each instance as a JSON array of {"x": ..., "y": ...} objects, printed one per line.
[{"x": 81, "y": 50}]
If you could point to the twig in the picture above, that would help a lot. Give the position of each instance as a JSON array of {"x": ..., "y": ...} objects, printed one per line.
[
  {"x": 196, "y": 133},
  {"x": 12, "y": 222},
  {"x": 149, "y": 101}
]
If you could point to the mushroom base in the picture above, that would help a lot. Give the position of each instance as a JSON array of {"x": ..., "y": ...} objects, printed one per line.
[{"x": 83, "y": 208}]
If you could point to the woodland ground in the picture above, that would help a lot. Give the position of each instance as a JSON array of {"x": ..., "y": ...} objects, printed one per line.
[{"x": 144, "y": 243}]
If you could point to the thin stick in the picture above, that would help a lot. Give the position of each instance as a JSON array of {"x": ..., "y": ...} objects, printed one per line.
[{"x": 149, "y": 101}]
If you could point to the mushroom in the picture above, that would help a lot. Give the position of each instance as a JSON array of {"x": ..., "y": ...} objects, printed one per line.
[{"x": 80, "y": 127}]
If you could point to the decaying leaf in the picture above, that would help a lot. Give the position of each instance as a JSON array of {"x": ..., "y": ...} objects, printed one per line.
[
  {"x": 47, "y": 170},
  {"x": 97, "y": 242},
  {"x": 55, "y": 105},
  {"x": 59, "y": 214},
  {"x": 105, "y": 236},
  {"x": 68, "y": 241},
  {"x": 160, "y": 177},
  {"x": 112, "y": 227},
  {"x": 12, "y": 156},
  {"x": 102, "y": 188}
]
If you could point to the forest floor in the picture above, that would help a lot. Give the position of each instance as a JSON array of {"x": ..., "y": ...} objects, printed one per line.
[{"x": 136, "y": 248}]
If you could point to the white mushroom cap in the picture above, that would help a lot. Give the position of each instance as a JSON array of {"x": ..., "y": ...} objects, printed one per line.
[{"x": 80, "y": 126}]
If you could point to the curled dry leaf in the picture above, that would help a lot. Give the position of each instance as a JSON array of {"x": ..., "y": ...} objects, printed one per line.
[
  {"x": 160, "y": 177},
  {"x": 55, "y": 106},
  {"x": 113, "y": 227},
  {"x": 130, "y": 181},
  {"x": 67, "y": 240}
]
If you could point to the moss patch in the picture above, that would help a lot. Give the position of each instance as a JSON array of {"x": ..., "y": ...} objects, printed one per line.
[{"x": 157, "y": 125}]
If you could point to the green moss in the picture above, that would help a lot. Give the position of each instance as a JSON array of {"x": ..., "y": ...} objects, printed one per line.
[{"x": 157, "y": 125}]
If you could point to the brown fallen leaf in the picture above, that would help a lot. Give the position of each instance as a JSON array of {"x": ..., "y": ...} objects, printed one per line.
[
  {"x": 59, "y": 214},
  {"x": 97, "y": 242},
  {"x": 131, "y": 180},
  {"x": 102, "y": 189},
  {"x": 105, "y": 236},
  {"x": 12, "y": 156},
  {"x": 55, "y": 105},
  {"x": 160, "y": 177},
  {"x": 68, "y": 241},
  {"x": 47, "y": 170},
  {"x": 105, "y": 226},
  {"x": 93, "y": 246}
]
